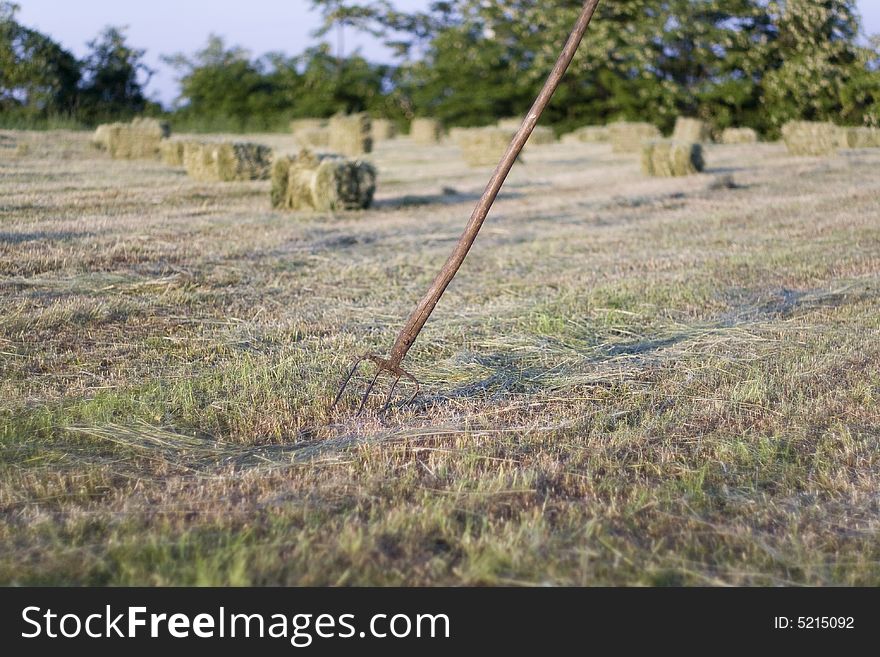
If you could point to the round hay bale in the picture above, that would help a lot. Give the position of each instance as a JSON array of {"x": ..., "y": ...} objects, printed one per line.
[
  {"x": 811, "y": 138},
  {"x": 350, "y": 134},
  {"x": 669, "y": 158},
  {"x": 693, "y": 130},
  {"x": 739, "y": 136},
  {"x": 313, "y": 138},
  {"x": 626, "y": 137},
  {"x": 425, "y": 131}
]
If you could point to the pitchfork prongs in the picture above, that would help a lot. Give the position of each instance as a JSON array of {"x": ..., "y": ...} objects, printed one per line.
[{"x": 382, "y": 365}]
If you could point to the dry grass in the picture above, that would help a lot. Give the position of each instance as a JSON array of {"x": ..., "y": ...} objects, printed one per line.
[{"x": 631, "y": 381}]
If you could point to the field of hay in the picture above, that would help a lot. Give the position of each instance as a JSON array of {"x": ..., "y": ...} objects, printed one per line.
[{"x": 632, "y": 380}]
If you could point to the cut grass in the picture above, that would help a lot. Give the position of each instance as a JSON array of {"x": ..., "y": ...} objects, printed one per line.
[{"x": 631, "y": 381}]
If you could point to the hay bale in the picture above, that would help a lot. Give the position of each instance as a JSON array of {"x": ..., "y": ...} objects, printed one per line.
[
  {"x": 587, "y": 134},
  {"x": 322, "y": 183},
  {"x": 810, "y": 138},
  {"x": 849, "y": 137},
  {"x": 511, "y": 123},
  {"x": 541, "y": 136},
  {"x": 101, "y": 138},
  {"x": 425, "y": 131},
  {"x": 693, "y": 130},
  {"x": 455, "y": 134},
  {"x": 669, "y": 157},
  {"x": 280, "y": 175},
  {"x": 383, "y": 130},
  {"x": 484, "y": 146},
  {"x": 172, "y": 152},
  {"x": 739, "y": 136},
  {"x": 310, "y": 133},
  {"x": 627, "y": 137},
  {"x": 350, "y": 134},
  {"x": 313, "y": 138},
  {"x": 226, "y": 161},
  {"x": 298, "y": 125},
  {"x": 140, "y": 139}
]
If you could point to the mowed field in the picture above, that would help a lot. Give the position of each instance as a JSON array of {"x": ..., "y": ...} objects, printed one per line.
[{"x": 631, "y": 381}]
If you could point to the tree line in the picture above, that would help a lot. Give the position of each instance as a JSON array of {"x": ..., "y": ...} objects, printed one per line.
[{"x": 756, "y": 63}]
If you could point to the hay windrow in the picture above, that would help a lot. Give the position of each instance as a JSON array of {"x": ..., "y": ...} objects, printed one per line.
[
  {"x": 350, "y": 134},
  {"x": 484, "y": 146},
  {"x": 383, "y": 130},
  {"x": 669, "y": 158},
  {"x": 626, "y": 137},
  {"x": 860, "y": 137},
  {"x": 587, "y": 134},
  {"x": 811, "y": 138},
  {"x": 322, "y": 183},
  {"x": 739, "y": 136},
  {"x": 691, "y": 130},
  {"x": 226, "y": 161},
  {"x": 425, "y": 131}
]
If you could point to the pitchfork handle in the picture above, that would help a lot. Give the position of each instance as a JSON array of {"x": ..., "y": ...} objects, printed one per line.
[{"x": 420, "y": 315}]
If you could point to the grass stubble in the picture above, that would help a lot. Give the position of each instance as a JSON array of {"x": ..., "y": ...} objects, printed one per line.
[{"x": 631, "y": 381}]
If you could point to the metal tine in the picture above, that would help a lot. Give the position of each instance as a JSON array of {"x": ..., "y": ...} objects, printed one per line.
[{"x": 367, "y": 393}]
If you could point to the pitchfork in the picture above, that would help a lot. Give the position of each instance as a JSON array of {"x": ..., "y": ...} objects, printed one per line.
[{"x": 410, "y": 331}]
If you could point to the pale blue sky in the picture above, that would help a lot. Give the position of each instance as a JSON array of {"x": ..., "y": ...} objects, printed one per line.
[{"x": 168, "y": 26}]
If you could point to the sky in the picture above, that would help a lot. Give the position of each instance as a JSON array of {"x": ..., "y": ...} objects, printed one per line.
[{"x": 168, "y": 26}]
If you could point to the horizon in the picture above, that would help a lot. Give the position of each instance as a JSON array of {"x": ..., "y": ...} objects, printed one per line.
[{"x": 289, "y": 30}]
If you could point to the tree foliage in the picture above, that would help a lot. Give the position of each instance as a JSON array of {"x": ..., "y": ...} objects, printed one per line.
[{"x": 756, "y": 63}]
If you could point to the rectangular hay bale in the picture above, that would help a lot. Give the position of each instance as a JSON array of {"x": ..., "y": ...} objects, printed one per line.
[
  {"x": 322, "y": 183},
  {"x": 668, "y": 158},
  {"x": 858, "y": 137},
  {"x": 689, "y": 129},
  {"x": 172, "y": 152},
  {"x": 587, "y": 134},
  {"x": 425, "y": 131},
  {"x": 541, "y": 136},
  {"x": 383, "y": 130},
  {"x": 627, "y": 137},
  {"x": 350, "y": 134},
  {"x": 484, "y": 146},
  {"x": 810, "y": 138},
  {"x": 227, "y": 161},
  {"x": 140, "y": 139},
  {"x": 739, "y": 136}
]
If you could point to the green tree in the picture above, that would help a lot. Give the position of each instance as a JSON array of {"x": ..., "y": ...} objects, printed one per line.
[
  {"x": 824, "y": 74},
  {"x": 38, "y": 78},
  {"x": 221, "y": 88},
  {"x": 115, "y": 77}
]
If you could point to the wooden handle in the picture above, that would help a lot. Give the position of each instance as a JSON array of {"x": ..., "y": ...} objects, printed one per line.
[{"x": 420, "y": 315}]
